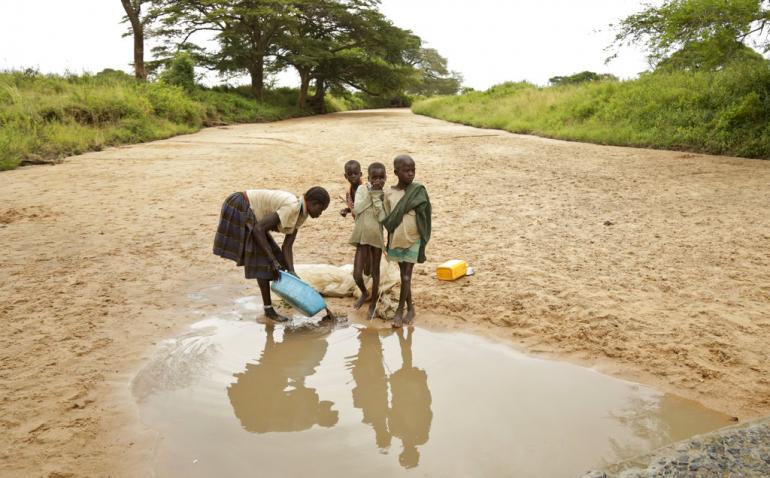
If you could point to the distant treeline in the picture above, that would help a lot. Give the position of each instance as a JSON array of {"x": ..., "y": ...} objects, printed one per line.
[
  {"x": 720, "y": 112},
  {"x": 45, "y": 117}
]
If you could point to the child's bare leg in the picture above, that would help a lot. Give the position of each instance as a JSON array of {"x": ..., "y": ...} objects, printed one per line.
[
  {"x": 375, "y": 254},
  {"x": 264, "y": 289},
  {"x": 406, "y": 288},
  {"x": 409, "y": 267},
  {"x": 358, "y": 275}
]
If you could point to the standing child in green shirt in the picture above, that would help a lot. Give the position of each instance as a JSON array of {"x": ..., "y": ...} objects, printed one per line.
[
  {"x": 408, "y": 223},
  {"x": 368, "y": 236}
]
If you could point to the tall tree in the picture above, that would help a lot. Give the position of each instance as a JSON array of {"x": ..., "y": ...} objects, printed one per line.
[
  {"x": 245, "y": 32},
  {"x": 342, "y": 44},
  {"x": 375, "y": 57},
  {"x": 311, "y": 36},
  {"x": 133, "y": 10},
  {"x": 697, "y": 34}
]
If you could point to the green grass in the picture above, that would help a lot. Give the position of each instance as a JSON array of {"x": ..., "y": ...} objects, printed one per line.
[
  {"x": 725, "y": 112},
  {"x": 50, "y": 116}
]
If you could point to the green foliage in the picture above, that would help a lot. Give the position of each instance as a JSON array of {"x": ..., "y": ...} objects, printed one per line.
[
  {"x": 722, "y": 112},
  {"x": 433, "y": 76},
  {"x": 581, "y": 77},
  {"x": 507, "y": 88},
  {"x": 180, "y": 71},
  {"x": 696, "y": 34},
  {"x": 49, "y": 116},
  {"x": 333, "y": 44}
]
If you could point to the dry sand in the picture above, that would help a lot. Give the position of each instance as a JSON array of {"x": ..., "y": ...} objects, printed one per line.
[{"x": 649, "y": 265}]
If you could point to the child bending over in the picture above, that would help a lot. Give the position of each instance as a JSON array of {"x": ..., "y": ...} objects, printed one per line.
[
  {"x": 408, "y": 223},
  {"x": 368, "y": 236},
  {"x": 245, "y": 224}
]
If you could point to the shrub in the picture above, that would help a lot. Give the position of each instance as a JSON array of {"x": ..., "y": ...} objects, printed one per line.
[
  {"x": 180, "y": 72},
  {"x": 722, "y": 112},
  {"x": 51, "y": 116}
]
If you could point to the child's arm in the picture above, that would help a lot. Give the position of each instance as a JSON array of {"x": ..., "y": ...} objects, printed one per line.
[
  {"x": 360, "y": 203},
  {"x": 288, "y": 251},
  {"x": 377, "y": 204},
  {"x": 346, "y": 210},
  {"x": 259, "y": 232}
]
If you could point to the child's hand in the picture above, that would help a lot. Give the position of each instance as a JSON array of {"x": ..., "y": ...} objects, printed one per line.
[
  {"x": 344, "y": 212},
  {"x": 294, "y": 273},
  {"x": 276, "y": 266}
]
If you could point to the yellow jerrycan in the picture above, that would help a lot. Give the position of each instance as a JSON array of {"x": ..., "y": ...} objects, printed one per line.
[{"x": 452, "y": 270}]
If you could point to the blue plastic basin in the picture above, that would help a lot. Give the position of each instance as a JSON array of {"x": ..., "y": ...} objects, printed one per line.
[{"x": 298, "y": 294}]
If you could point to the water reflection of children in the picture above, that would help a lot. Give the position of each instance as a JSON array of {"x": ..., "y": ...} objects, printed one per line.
[
  {"x": 371, "y": 391},
  {"x": 271, "y": 396},
  {"x": 410, "y": 415}
]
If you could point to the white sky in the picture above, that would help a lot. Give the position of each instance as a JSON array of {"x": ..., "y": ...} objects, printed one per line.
[{"x": 488, "y": 41}]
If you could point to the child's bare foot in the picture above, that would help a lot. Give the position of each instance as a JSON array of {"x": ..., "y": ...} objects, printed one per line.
[
  {"x": 372, "y": 310},
  {"x": 409, "y": 316},
  {"x": 360, "y": 301},
  {"x": 329, "y": 315},
  {"x": 270, "y": 313},
  {"x": 398, "y": 320}
]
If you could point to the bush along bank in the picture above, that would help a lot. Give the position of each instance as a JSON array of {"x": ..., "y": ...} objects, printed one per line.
[
  {"x": 46, "y": 117},
  {"x": 724, "y": 112}
]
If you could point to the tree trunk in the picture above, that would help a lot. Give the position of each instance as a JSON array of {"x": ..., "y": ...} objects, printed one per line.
[
  {"x": 304, "y": 85},
  {"x": 257, "y": 72},
  {"x": 133, "y": 12},
  {"x": 319, "y": 106},
  {"x": 139, "y": 69}
]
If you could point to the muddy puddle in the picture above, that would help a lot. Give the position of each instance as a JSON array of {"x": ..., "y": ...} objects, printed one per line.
[{"x": 238, "y": 398}]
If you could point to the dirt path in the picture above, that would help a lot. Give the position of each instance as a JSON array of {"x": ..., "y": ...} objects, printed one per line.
[{"x": 650, "y": 265}]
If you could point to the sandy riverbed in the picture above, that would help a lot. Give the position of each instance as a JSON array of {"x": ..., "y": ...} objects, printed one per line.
[{"x": 649, "y": 265}]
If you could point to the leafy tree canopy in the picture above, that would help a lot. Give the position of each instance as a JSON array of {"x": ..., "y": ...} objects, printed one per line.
[
  {"x": 697, "y": 34},
  {"x": 434, "y": 77},
  {"x": 582, "y": 77},
  {"x": 338, "y": 44}
]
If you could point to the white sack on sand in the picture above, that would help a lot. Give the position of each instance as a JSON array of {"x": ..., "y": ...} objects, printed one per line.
[{"x": 337, "y": 281}]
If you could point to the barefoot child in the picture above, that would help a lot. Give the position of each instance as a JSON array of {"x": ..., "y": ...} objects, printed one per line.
[
  {"x": 367, "y": 234},
  {"x": 244, "y": 236},
  {"x": 408, "y": 224},
  {"x": 353, "y": 175}
]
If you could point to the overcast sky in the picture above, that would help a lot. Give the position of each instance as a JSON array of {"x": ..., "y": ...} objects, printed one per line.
[{"x": 488, "y": 41}]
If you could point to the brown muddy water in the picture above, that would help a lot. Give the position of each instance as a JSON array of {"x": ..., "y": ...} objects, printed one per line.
[{"x": 238, "y": 398}]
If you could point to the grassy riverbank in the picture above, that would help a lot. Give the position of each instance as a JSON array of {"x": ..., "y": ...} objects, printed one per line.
[
  {"x": 44, "y": 117},
  {"x": 725, "y": 112}
]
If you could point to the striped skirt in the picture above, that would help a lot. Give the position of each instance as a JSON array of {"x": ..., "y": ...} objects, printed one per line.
[{"x": 234, "y": 239}]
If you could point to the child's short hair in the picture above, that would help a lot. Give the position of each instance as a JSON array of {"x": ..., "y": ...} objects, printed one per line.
[
  {"x": 375, "y": 166},
  {"x": 319, "y": 195},
  {"x": 352, "y": 163},
  {"x": 400, "y": 159}
]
